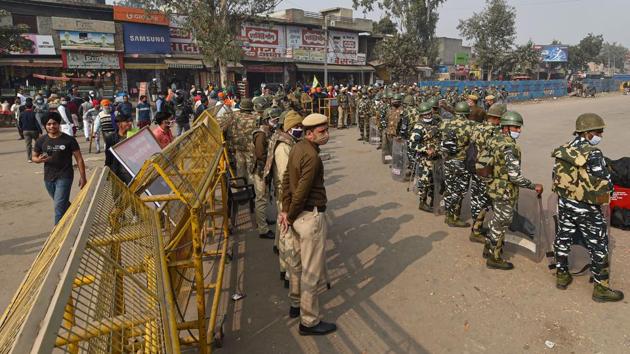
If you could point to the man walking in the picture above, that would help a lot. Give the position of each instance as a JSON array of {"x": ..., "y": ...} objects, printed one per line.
[
  {"x": 30, "y": 127},
  {"x": 56, "y": 149},
  {"x": 303, "y": 206}
]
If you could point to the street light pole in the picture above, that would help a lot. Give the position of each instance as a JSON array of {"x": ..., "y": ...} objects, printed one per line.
[{"x": 326, "y": 51}]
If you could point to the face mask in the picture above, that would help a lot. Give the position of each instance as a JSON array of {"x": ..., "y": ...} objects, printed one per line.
[
  {"x": 296, "y": 132},
  {"x": 106, "y": 109},
  {"x": 515, "y": 135},
  {"x": 39, "y": 101},
  {"x": 63, "y": 103},
  {"x": 427, "y": 119},
  {"x": 321, "y": 139},
  {"x": 595, "y": 140}
]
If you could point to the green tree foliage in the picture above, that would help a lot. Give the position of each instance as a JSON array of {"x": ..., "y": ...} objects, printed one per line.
[
  {"x": 524, "y": 59},
  {"x": 492, "y": 32},
  {"x": 11, "y": 39},
  {"x": 216, "y": 24},
  {"x": 586, "y": 51},
  {"x": 385, "y": 26},
  {"x": 399, "y": 53},
  {"x": 613, "y": 55}
]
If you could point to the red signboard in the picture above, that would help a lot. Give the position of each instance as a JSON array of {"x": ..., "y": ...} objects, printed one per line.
[{"x": 258, "y": 35}]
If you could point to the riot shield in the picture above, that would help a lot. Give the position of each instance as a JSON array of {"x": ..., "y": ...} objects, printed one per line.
[
  {"x": 579, "y": 256},
  {"x": 375, "y": 135},
  {"x": 400, "y": 161},
  {"x": 528, "y": 232}
]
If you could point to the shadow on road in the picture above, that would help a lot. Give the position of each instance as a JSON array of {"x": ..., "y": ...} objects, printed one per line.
[{"x": 23, "y": 245}]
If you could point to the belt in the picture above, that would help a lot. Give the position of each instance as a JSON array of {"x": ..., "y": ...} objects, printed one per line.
[{"x": 319, "y": 208}]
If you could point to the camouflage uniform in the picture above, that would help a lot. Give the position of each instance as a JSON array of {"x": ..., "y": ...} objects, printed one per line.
[
  {"x": 480, "y": 202},
  {"x": 352, "y": 109},
  {"x": 503, "y": 189},
  {"x": 280, "y": 145},
  {"x": 582, "y": 181},
  {"x": 455, "y": 137},
  {"x": 240, "y": 138},
  {"x": 393, "y": 118},
  {"x": 408, "y": 119},
  {"x": 365, "y": 109},
  {"x": 425, "y": 136}
]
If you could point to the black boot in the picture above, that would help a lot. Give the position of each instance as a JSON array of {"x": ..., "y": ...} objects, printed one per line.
[{"x": 322, "y": 328}]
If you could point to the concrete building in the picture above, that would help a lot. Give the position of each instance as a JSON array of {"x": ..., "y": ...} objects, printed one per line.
[{"x": 454, "y": 57}]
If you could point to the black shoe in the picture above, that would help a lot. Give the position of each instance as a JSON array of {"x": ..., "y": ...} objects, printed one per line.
[
  {"x": 360, "y": 139},
  {"x": 271, "y": 222},
  {"x": 286, "y": 284},
  {"x": 269, "y": 235},
  {"x": 294, "y": 312},
  {"x": 276, "y": 250},
  {"x": 283, "y": 275},
  {"x": 321, "y": 329}
]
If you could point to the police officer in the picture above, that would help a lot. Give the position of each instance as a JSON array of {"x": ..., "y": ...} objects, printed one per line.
[
  {"x": 477, "y": 113},
  {"x": 266, "y": 120},
  {"x": 342, "y": 108},
  {"x": 503, "y": 189},
  {"x": 582, "y": 181},
  {"x": 423, "y": 148},
  {"x": 455, "y": 137},
  {"x": 479, "y": 201},
  {"x": 364, "y": 111}
]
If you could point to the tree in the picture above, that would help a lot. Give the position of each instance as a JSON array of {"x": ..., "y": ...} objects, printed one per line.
[
  {"x": 11, "y": 39},
  {"x": 524, "y": 59},
  {"x": 385, "y": 26},
  {"x": 399, "y": 54},
  {"x": 492, "y": 31},
  {"x": 586, "y": 51},
  {"x": 613, "y": 54},
  {"x": 216, "y": 25},
  {"x": 417, "y": 19}
]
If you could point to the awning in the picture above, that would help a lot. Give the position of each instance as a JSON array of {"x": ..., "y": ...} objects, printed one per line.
[
  {"x": 63, "y": 78},
  {"x": 32, "y": 62},
  {"x": 149, "y": 66},
  {"x": 184, "y": 63},
  {"x": 335, "y": 68}
]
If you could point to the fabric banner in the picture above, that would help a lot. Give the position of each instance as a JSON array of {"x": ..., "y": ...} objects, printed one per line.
[
  {"x": 146, "y": 39},
  {"x": 87, "y": 40}
]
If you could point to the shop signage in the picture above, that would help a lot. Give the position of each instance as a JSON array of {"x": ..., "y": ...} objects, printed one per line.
[
  {"x": 306, "y": 45},
  {"x": 91, "y": 60},
  {"x": 263, "y": 42},
  {"x": 343, "y": 49},
  {"x": 82, "y": 25},
  {"x": 182, "y": 41},
  {"x": 132, "y": 14},
  {"x": 87, "y": 40},
  {"x": 42, "y": 45},
  {"x": 264, "y": 69},
  {"x": 146, "y": 39}
]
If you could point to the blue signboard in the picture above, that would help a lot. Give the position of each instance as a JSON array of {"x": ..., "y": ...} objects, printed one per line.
[
  {"x": 554, "y": 54},
  {"x": 146, "y": 39}
]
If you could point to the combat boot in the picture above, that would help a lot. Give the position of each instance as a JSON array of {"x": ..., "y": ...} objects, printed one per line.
[
  {"x": 486, "y": 251},
  {"x": 476, "y": 236},
  {"x": 454, "y": 221},
  {"x": 563, "y": 279},
  {"x": 498, "y": 263},
  {"x": 425, "y": 207},
  {"x": 602, "y": 293}
]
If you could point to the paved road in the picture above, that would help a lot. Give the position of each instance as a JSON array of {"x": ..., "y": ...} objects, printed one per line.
[{"x": 402, "y": 281}]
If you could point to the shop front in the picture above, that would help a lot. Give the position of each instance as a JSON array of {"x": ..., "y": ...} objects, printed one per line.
[
  {"x": 259, "y": 75},
  {"x": 337, "y": 74},
  {"x": 101, "y": 72}
]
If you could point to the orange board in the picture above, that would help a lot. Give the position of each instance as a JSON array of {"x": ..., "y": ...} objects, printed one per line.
[{"x": 132, "y": 14}]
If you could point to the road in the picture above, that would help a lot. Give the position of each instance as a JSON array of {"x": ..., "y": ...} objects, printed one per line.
[{"x": 401, "y": 280}]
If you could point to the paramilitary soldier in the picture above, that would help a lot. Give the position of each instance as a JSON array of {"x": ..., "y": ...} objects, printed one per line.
[
  {"x": 261, "y": 140},
  {"x": 381, "y": 107},
  {"x": 303, "y": 207},
  {"x": 393, "y": 118},
  {"x": 240, "y": 137},
  {"x": 479, "y": 201},
  {"x": 423, "y": 147},
  {"x": 365, "y": 108},
  {"x": 503, "y": 189},
  {"x": 455, "y": 137},
  {"x": 582, "y": 181},
  {"x": 409, "y": 117},
  {"x": 280, "y": 145}
]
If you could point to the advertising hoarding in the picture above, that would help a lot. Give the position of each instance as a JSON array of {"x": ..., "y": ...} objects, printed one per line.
[
  {"x": 146, "y": 39},
  {"x": 307, "y": 45},
  {"x": 42, "y": 45},
  {"x": 99, "y": 41},
  {"x": 132, "y": 14},
  {"x": 553, "y": 53},
  {"x": 82, "y": 25},
  {"x": 182, "y": 41},
  {"x": 91, "y": 60},
  {"x": 343, "y": 48},
  {"x": 263, "y": 42}
]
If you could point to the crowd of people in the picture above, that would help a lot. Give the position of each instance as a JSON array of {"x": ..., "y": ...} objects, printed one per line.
[{"x": 274, "y": 141}]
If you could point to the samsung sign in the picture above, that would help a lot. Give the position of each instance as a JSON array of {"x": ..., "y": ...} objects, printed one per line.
[{"x": 146, "y": 39}]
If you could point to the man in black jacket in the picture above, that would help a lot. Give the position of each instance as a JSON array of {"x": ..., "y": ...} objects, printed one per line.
[
  {"x": 124, "y": 123},
  {"x": 30, "y": 127}
]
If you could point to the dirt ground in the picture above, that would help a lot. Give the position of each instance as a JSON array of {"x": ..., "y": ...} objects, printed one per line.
[{"x": 401, "y": 280}]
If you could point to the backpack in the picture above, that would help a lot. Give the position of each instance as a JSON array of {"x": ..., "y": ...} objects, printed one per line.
[{"x": 620, "y": 171}]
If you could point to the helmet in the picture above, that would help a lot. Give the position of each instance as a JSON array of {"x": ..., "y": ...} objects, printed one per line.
[
  {"x": 462, "y": 108},
  {"x": 379, "y": 96},
  {"x": 397, "y": 97},
  {"x": 511, "y": 118},
  {"x": 364, "y": 90},
  {"x": 408, "y": 100},
  {"x": 497, "y": 110},
  {"x": 272, "y": 113},
  {"x": 588, "y": 122},
  {"x": 435, "y": 102},
  {"x": 260, "y": 103},
  {"x": 389, "y": 95},
  {"x": 247, "y": 105},
  {"x": 425, "y": 108}
]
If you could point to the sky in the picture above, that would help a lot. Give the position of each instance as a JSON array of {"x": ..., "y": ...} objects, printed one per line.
[{"x": 539, "y": 20}]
